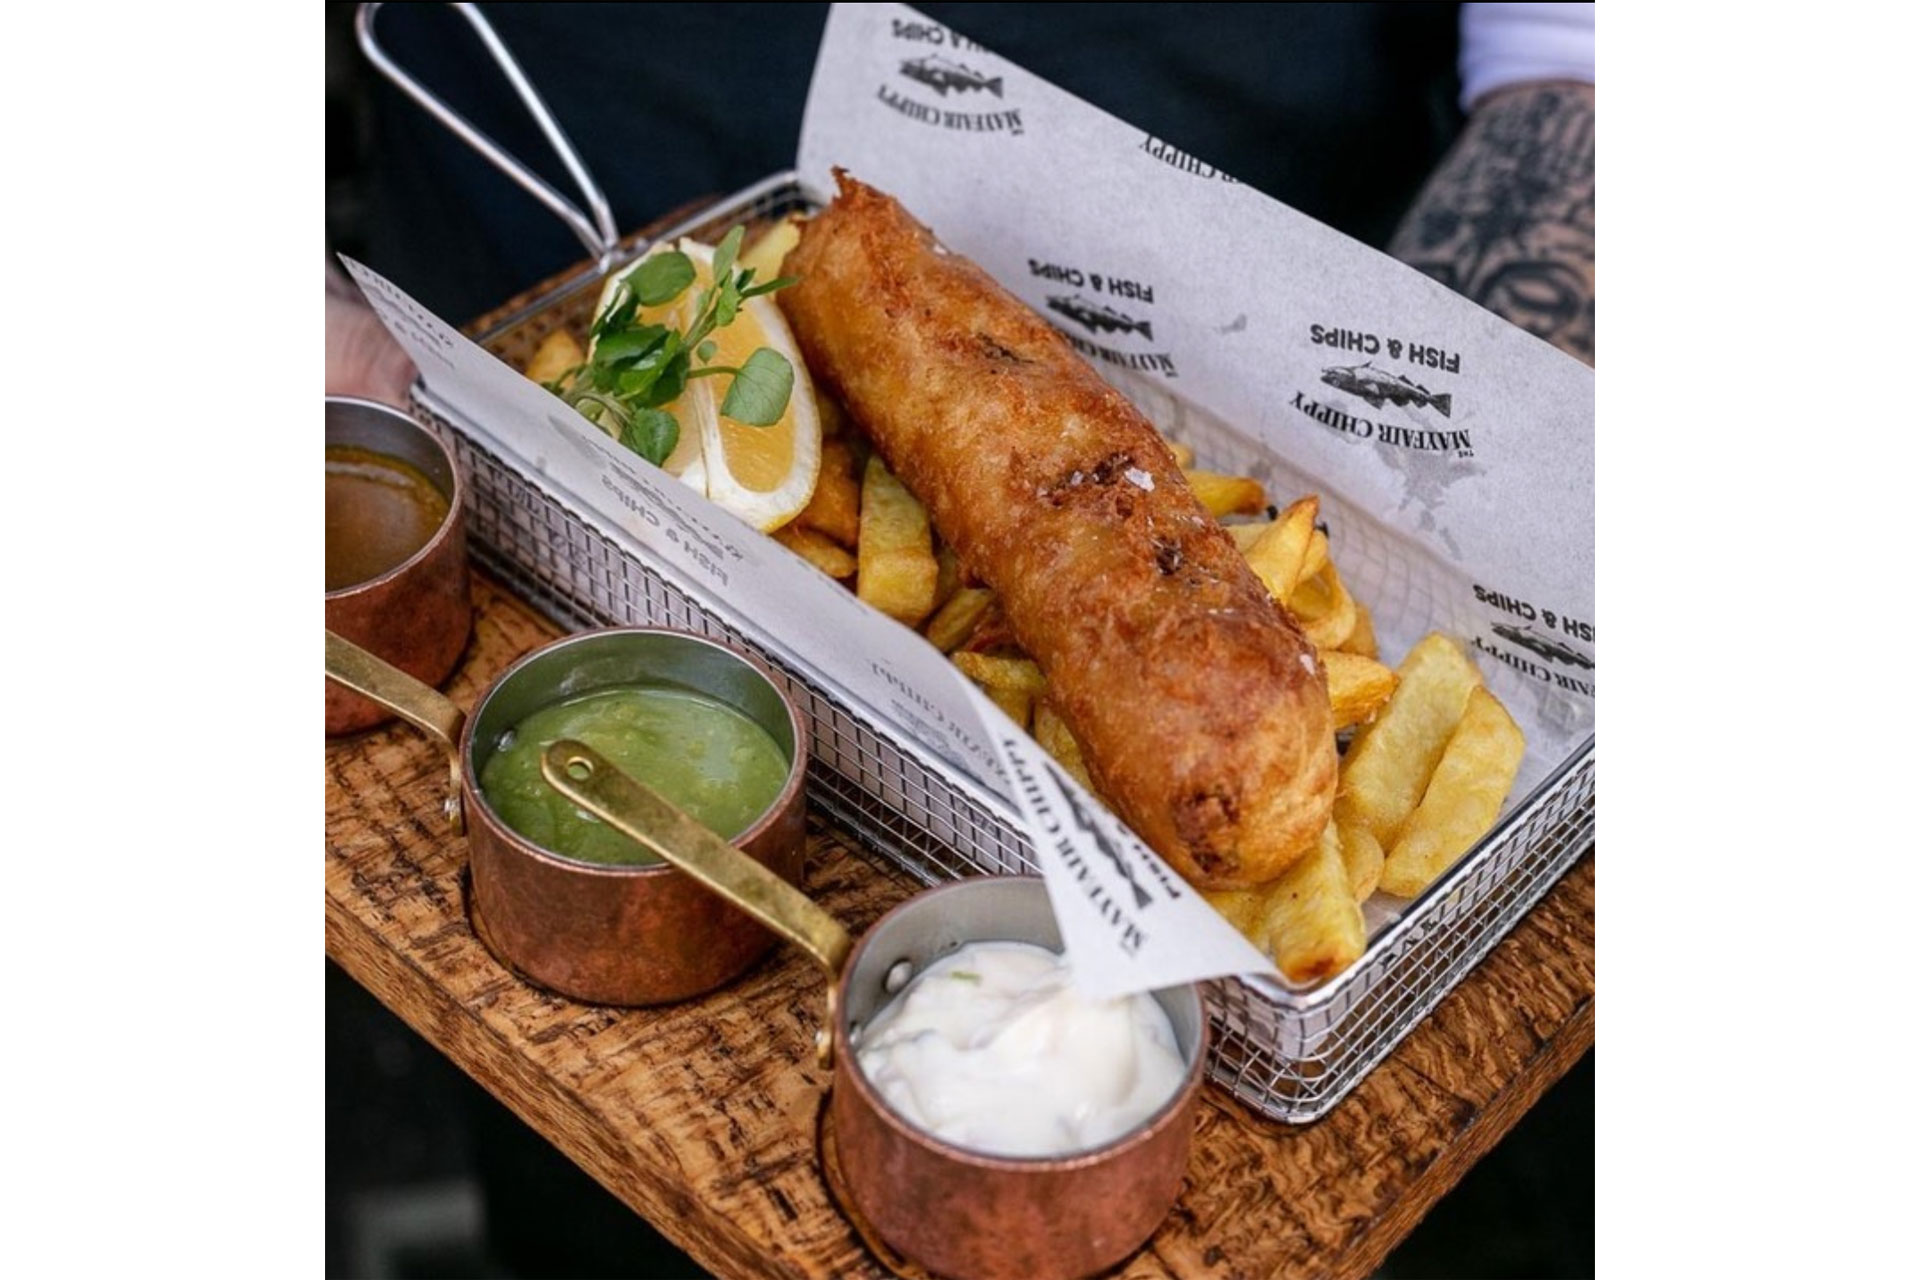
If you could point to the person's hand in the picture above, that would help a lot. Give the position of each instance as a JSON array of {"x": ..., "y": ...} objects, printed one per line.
[{"x": 362, "y": 357}]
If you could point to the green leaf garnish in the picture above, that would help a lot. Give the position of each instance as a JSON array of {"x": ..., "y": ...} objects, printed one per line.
[
  {"x": 673, "y": 375},
  {"x": 728, "y": 250},
  {"x": 628, "y": 346},
  {"x": 651, "y": 433},
  {"x": 768, "y": 287},
  {"x": 726, "y": 305},
  {"x": 560, "y": 384},
  {"x": 662, "y": 278},
  {"x": 760, "y": 390},
  {"x": 634, "y": 370},
  {"x": 619, "y": 314},
  {"x": 963, "y": 975}
]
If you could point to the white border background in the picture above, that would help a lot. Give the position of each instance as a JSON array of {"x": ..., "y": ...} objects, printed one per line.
[{"x": 1756, "y": 451}]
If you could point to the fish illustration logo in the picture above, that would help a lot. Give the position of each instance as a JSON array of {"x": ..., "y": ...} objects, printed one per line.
[
  {"x": 1084, "y": 821},
  {"x": 940, "y": 75},
  {"x": 1553, "y": 649},
  {"x": 1096, "y": 316},
  {"x": 1377, "y": 387}
]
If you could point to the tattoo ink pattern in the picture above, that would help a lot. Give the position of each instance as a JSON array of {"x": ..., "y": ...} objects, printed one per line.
[{"x": 1507, "y": 218}]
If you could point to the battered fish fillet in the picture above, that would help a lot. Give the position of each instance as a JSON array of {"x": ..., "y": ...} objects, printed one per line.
[{"x": 1201, "y": 708}]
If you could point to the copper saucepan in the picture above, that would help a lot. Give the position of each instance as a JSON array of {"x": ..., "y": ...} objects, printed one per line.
[
  {"x": 955, "y": 1211},
  {"x": 416, "y": 614},
  {"x": 620, "y": 935}
]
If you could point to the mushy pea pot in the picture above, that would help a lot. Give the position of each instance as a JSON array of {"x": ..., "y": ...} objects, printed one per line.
[{"x": 632, "y": 934}]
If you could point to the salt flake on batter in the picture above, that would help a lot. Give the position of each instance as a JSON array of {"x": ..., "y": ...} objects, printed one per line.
[{"x": 1140, "y": 479}]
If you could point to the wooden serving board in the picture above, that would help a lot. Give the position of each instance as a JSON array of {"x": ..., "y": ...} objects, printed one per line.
[{"x": 704, "y": 1116}]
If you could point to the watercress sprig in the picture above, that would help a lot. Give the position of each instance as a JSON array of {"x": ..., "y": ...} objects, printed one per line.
[{"x": 636, "y": 369}]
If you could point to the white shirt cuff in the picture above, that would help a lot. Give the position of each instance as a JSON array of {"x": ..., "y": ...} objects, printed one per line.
[{"x": 1507, "y": 44}]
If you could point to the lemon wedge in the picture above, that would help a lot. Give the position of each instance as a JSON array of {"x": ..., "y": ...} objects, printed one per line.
[{"x": 764, "y": 475}]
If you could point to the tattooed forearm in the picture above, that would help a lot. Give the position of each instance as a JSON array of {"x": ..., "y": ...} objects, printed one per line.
[{"x": 1507, "y": 218}]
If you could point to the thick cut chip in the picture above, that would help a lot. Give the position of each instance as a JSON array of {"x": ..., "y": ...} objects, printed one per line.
[
  {"x": 1363, "y": 857},
  {"x": 1244, "y": 909},
  {"x": 822, "y": 552},
  {"x": 958, "y": 617},
  {"x": 1319, "y": 556},
  {"x": 948, "y": 580},
  {"x": 1227, "y": 495},
  {"x": 1280, "y": 551},
  {"x": 1326, "y": 612},
  {"x": 1385, "y": 772},
  {"x": 558, "y": 353},
  {"x": 1182, "y": 454},
  {"x": 1017, "y": 703},
  {"x": 1362, "y": 641},
  {"x": 992, "y": 634},
  {"x": 770, "y": 248},
  {"x": 1469, "y": 785},
  {"x": 1013, "y": 683},
  {"x": 1314, "y": 926},
  {"x": 1247, "y": 532},
  {"x": 897, "y": 569},
  {"x": 834, "y": 508},
  {"x": 1051, "y": 732},
  {"x": 1021, "y": 674},
  {"x": 1358, "y": 686}
]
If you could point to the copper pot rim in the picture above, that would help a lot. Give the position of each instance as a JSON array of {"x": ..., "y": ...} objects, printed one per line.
[
  {"x": 477, "y": 802},
  {"x": 1138, "y": 1136},
  {"x": 449, "y": 523}
]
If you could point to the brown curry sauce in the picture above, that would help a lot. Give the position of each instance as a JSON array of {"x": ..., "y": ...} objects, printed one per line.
[{"x": 380, "y": 512}]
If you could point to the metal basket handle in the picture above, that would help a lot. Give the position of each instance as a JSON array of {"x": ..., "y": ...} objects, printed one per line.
[{"x": 598, "y": 232}]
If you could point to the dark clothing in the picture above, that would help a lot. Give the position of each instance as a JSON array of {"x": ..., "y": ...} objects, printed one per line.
[{"x": 1338, "y": 110}]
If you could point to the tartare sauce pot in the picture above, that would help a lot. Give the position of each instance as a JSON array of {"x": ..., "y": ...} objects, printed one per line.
[
  {"x": 954, "y": 1211},
  {"x": 417, "y": 615},
  {"x": 615, "y": 935}
]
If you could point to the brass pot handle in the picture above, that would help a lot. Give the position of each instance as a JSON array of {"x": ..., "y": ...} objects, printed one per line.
[
  {"x": 420, "y": 705},
  {"x": 640, "y": 813}
]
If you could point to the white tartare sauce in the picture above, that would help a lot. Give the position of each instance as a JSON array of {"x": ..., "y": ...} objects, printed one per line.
[{"x": 992, "y": 1049}]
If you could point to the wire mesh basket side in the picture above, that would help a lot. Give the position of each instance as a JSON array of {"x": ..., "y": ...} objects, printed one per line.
[
  {"x": 1288, "y": 1063},
  {"x": 1289, "y": 1054},
  {"x": 1295, "y": 1065}
]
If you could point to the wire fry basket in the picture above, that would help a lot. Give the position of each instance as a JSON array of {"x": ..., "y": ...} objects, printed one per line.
[{"x": 1290, "y": 1054}]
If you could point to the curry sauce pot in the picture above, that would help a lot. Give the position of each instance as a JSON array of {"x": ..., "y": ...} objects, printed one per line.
[{"x": 417, "y": 614}]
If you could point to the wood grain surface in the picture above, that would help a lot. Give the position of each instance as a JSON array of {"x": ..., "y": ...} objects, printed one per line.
[{"x": 703, "y": 1116}]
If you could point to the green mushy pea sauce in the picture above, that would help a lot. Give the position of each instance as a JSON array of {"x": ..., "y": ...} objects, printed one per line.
[{"x": 715, "y": 763}]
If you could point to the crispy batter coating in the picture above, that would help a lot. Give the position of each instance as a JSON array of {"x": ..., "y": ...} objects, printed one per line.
[{"x": 1202, "y": 710}]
